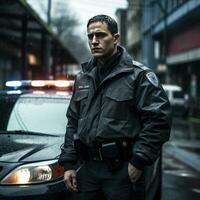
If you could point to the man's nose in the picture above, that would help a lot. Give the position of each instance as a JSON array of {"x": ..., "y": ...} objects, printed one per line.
[{"x": 95, "y": 40}]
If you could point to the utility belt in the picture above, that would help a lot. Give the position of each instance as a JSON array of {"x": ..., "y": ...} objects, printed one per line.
[{"x": 114, "y": 153}]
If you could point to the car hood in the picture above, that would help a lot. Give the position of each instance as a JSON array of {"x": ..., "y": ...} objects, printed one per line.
[{"x": 29, "y": 147}]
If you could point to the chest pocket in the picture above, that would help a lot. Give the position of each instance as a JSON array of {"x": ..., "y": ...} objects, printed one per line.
[
  {"x": 80, "y": 97},
  {"x": 119, "y": 94},
  {"x": 118, "y": 104}
]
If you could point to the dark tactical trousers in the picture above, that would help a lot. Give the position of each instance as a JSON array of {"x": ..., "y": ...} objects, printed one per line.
[{"x": 96, "y": 182}]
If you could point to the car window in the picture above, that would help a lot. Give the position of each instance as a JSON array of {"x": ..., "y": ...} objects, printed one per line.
[
  {"x": 6, "y": 107},
  {"x": 44, "y": 115},
  {"x": 178, "y": 94}
]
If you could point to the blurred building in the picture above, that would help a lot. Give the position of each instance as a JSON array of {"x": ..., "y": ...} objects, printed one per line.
[
  {"x": 122, "y": 25},
  {"x": 164, "y": 35},
  {"x": 171, "y": 42},
  {"x": 29, "y": 48},
  {"x": 134, "y": 17}
]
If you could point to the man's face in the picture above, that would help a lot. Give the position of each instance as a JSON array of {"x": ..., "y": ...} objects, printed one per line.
[{"x": 102, "y": 43}]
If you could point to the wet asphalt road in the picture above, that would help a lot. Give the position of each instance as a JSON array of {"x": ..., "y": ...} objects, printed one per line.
[{"x": 181, "y": 162}]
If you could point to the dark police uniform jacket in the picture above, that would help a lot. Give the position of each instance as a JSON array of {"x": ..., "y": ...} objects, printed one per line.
[{"x": 129, "y": 103}]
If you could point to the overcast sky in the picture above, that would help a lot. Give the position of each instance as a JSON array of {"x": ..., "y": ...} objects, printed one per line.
[
  {"x": 88, "y": 8},
  {"x": 83, "y": 9}
]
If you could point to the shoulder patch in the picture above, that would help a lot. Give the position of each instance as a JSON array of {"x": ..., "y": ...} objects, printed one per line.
[{"x": 152, "y": 78}]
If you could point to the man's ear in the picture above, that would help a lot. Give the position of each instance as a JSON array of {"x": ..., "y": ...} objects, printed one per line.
[{"x": 116, "y": 38}]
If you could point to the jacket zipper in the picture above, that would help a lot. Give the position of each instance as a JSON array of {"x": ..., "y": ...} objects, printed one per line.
[{"x": 99, "y": 113}]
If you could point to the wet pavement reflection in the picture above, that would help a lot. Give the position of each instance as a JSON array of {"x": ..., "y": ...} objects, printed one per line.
[{"x": 181, "y": 162}]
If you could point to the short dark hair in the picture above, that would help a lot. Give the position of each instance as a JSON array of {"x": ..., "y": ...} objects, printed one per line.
[{"x": 111, "y": 23}]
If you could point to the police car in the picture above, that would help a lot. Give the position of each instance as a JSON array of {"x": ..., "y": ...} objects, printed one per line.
[{"x": 32, "y": 127}]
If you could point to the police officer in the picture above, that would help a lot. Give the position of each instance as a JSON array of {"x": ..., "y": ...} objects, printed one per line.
[{"x": 118, "y": 119}]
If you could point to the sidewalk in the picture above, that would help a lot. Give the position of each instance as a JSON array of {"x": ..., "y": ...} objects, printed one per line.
[
  {"x": 189, "y": 158},
  {"x": 184, "y": 144}
]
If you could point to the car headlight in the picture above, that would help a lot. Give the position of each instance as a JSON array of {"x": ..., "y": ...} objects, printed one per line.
[{"x": 34, "y": 173}]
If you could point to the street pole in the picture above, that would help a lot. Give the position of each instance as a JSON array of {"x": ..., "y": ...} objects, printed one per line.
[
  {"x": 24, "y": 72},
  {"x": 49, "y": 13},
  {"x": 167, "y": 78},
  {"x": 165, "y": 25},
  {"x": 167, "y": 75},
  {"x": 48, "y": 45}
]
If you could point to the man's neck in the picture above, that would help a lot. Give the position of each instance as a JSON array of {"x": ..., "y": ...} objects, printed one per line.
[{"x": 105, "y": 59}]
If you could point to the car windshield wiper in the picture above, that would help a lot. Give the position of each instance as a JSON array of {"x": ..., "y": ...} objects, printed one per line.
[{"x": 23, "y": 132}]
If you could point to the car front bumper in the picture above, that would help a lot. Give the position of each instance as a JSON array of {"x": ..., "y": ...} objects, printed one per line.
[{"x": 48, "y": 191}]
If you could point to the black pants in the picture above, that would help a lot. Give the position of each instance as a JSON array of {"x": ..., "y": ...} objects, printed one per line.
[{"x": 96, "y": 182}]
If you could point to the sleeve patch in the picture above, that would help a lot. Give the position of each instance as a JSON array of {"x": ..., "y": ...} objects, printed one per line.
[{"x": 152, "y": 78}]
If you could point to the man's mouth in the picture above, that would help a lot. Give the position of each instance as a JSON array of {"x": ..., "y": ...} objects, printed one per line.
[{"x": 96, "y": 49}]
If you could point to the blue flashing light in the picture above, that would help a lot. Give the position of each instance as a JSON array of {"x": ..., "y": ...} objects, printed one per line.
[{"x": 13, "y": 83}]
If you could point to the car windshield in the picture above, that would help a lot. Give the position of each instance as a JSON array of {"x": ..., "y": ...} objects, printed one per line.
[{"x": 42, "y": 115}]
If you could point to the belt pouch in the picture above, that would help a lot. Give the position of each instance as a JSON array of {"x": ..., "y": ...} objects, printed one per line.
[{"x": 111, "y": 154}]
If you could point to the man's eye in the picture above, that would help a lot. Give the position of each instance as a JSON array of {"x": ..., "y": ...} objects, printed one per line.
[
  {"x": 97, "y": 35},
  {"x": 90, "y": 36},
  {"x": 100, "y": 35}
]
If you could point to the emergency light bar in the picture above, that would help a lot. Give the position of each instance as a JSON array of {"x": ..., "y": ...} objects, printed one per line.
[{"x": 40, "y": 84}]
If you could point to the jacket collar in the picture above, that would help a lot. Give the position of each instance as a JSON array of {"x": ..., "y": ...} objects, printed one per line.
[{"x": 124, "y": 64}]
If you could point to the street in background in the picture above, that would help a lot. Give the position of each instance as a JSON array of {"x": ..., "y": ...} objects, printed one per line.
[{"x": 181, "y": 162}]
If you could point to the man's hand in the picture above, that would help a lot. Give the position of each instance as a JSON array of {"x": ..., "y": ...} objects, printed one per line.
[
  {"x": 134, "y": 173},
  {"x": 70, "y": 180}
]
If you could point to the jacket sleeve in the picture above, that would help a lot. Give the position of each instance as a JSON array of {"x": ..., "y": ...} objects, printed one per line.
[
  {"x": 68, "y": 156},
  {"x": 155, "y": 113}
]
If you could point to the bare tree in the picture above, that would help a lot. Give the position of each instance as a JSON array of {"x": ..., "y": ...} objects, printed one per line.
[{"x": 65, "y": 23}]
